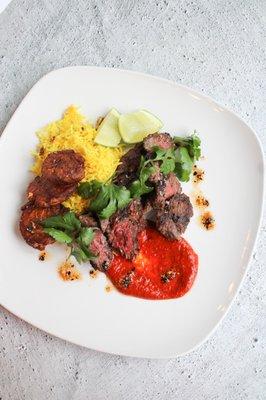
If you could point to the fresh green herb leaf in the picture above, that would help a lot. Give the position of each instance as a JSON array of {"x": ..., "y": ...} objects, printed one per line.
[
  {"x": 146, "y": 172},
  {"x": 89, "y": 189},
  {"x": 106, "y": 198},
  {"x": 89, "y": 254},
  {"x": 139, "y": 186},
  {"x": 56, "y": 222},
  {"x": 67, "y": 221},
  {"x": 159, "y": 153},
  {"x": 192, "y": 144},
  {"x": 85, "y": 250},
  {"x": 167, "y": 166},
  {"x": 71, "y": 232},
  {"x": 184, "y": 164},
  {"x": 58, "y": 235},
  {"x": 71, "y": 219},
  {"x": 101, "y": 200},
  {"x": 167, "y": 158},
  {"x": 79, "y": 255},
  {"x": 86, "y": 236},
  {"x": 179, "y": 160},
  {"x": 137, "y": 189},
  {"x": 122, "y": 196},
  {"x": 109, "y": 210}
]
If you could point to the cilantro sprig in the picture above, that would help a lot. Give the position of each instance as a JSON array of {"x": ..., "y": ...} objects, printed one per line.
[
  {"x": 139, "y": 186},
  {"x": 187, "y": 153},
  {"x": 179, "y": 160},
  {"x": 166, "y": 158},
  {"x": 191, "y": 143},
  {"x": 106, "y": 198},
  {"x": 68, "y": 229}
]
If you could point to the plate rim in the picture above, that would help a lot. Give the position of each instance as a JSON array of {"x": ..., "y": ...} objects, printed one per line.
[{"x": 258, "y": 222}]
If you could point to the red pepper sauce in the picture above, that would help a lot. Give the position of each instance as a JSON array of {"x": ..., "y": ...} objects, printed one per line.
[{"x": 163, "y": 269}]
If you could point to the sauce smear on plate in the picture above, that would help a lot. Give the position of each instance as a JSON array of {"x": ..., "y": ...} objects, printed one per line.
[{"x": 163, "y": 268}]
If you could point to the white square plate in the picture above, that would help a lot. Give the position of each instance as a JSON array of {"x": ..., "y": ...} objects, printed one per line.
[{"x": 82, "y": 311}]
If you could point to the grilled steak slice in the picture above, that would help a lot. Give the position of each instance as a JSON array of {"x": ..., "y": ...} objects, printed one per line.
[
  {"x": 99, "y": 245},
  {"x": 148, "y": 210},
  {"x": 104, "y": 224},
  {"x": 64, "y": 166},
  {"x": 172, "y": 219},
  {"x": 123, "y": 237},
  {"x": 162, "y": 140},
  {"x": 134, "y": 211},
  {"x": 123, "y": 229},
  {"x": 126, "y": 171},
  {"x": 45, "y": 193},
  {"x": 165, "y": 186},
  {"x": 180, "y": 206},
  {"x": 168, "y": 187},
  {"x": 30, "y": 224},
  {"x": 100, "y": 248},
  {"x": 88, "y": 220}
]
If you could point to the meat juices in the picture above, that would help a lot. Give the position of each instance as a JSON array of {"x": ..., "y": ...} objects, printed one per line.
[
  {"x": 64, "y": 166},
  {"x": 30, "y": 224}
]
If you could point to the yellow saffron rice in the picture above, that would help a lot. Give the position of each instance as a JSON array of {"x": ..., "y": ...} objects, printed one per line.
[{"x": 74, "y": 132}]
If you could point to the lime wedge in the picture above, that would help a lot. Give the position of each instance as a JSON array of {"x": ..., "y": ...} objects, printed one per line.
[
  {"x": 108, "y": 132},
  {"x": 134, "y": 127}
]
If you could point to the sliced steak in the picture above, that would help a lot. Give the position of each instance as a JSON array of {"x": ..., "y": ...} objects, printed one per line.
[
  {"x": 88, "y": 220},
  {"x": 126, "y": 171},
  {"x": 45, "y": 193},
  {"x": 165, "y": 186},
  {"x": 104, "y": 224},
  {"x": 157, "y": 175},
  {"x": 169, "y": 187},
  {"x": 180, "y": 206},
  {"x": 30, "y": 224},
  {"x": 172, "y": 219},
  {"x": 99, "y": 245},
  {"x": 148, "y": 210},
  {"x": 124, "y": 227},
  {"x": 64, "y": 166},
  {"x": 161, "y": 140},
  {"x": 123, "y": 237},
  {"x": 100, "y": 248}
]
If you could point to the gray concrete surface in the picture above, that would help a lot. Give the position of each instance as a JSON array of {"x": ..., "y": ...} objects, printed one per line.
[{"x": 216, "y": 47}]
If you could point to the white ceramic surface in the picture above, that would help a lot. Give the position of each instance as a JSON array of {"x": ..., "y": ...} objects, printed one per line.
[
  {"x": 4, "y": 4},
  {"x": 83, "y": 312}
]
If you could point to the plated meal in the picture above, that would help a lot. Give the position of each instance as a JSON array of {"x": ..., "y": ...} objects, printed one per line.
[
  {"x": 112, "y": 194},
  {"x": 92, "y": 312}
]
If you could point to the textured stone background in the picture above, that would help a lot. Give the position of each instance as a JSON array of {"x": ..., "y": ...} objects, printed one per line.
[{"x": 213, "y": 46}]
